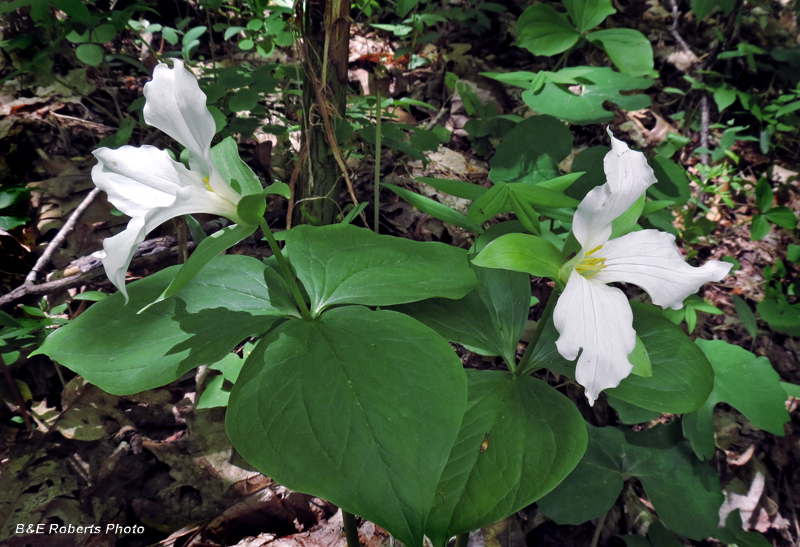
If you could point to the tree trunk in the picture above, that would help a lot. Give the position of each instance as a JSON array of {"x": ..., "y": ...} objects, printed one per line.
[{"x": 326, "y": 40}]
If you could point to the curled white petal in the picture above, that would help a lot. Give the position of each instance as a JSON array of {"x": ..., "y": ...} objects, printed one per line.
[
  {"x": 187, "y": 200},
  {"x": 596, "y": 321},
  {"x": 119, "y": 251},
  {"x": 175, "y": 104},
  {"x": 651, "y": 260},
  {"x": 139, "y": 179},
  {"x": 627, "y": 177}
]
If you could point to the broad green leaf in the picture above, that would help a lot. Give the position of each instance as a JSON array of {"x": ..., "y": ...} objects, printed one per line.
[
  {"x": 214, "y": 394},
  {"x": 488, "y": 321},
  {"x": 522, "y": 253},
  {"x": 435, "y": 209},
  {"x": 684, "y": 491},
  {"x": 792, "y": 390},
  {"x": 783, "y": 217},
  {"x": 124, "y": 352},
  {"x": 342, "y": 408},
  {"x": 403, "y": 7},
  {"x": 518, "y": 155},
  {"x": 682, "y": 376},
  {"x": 702, "y": 8},
  {"x": 237, "y": 173},
  {"x": 519, "y": 78},
  {"x": 586, "y": 107},
  {"x": 519, "y": 439},
  {"x": 734, "y": 536},
  {"x": 631, "y": 414},
  {"x": 587, "y": 14},
  {"x": 744, "y": 381},
  {"x": 589, "y": 160},
  {"x": 780, "y": 315},
  {"x": 746, "y": 315},
  {"x": 543, "y": 31},
  {"x": 672, "y": 181},
  {"x": 640, "y": 360},
  {"x": 759, "y": 228},
  {"x": 91, "y": 54},
  {"x": 342, "y": 264},
  {"x": 243, "y": 99},
  {"x": 489, "y": 205},
  {"x": 764, "y": 195},
  {"x": 205, "y": 252},
  {"x": 629, "y": 49},
  {"x": 192, "y": 35}
]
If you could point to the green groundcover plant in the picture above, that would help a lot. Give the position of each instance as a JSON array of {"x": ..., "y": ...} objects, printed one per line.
[{"x": 353, "y": 391}]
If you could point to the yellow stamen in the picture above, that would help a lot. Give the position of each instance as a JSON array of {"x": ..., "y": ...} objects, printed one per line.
[
  {"x": 589, "y": 267},
  {"x": 208, "y": 186}
]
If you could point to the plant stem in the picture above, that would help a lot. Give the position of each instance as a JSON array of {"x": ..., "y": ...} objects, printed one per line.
[
  {"x": 286, "y": 271},
  {"x": 350, "y": 529},
  {"x": 377, "y": 203},
  {"x": 548, "y": 312},
  {"x": 462, "y": 540},
  {"x": 600, "y": 522}
]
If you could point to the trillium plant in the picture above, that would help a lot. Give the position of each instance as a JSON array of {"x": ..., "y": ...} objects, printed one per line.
[{"x": 351, "y": 389}]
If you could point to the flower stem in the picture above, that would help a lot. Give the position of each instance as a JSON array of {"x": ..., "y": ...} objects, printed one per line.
[
  {"x": 462, "y": 540},
  {"x": 286, "y": 271},
  {"x": 548, "y": 312},
  {"x": 377, "y": 197},
  {"x": 350, "y": 529}
]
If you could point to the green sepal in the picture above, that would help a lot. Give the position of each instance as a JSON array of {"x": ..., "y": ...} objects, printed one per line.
[
  {"x": 226, "y": 158},
  {"x": 531, "y": 254},
  {"x": 640, "y": 360}
]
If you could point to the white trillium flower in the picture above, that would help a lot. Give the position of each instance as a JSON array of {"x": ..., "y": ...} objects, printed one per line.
[
  {"x": 149, "y": 186},
  {"x": 594, "y": 320}
]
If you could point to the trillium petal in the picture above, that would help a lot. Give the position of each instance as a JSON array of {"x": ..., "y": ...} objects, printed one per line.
[
  {"x": 187, "y": 200},
  {"x": 119, "y": 252},
  {"x": 628, "y": 175},
  {"x": 176, "y": 105},
  {"x": 651, "y": 260},
  {"x": 596, "y": 321},
  {"x": 139, "y": 179}
]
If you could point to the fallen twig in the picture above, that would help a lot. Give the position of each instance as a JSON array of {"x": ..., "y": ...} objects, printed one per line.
[{"x": 61, "y": 236}]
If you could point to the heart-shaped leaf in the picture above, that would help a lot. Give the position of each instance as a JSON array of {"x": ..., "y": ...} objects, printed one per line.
[
  {"x": 585, "y": 105},
  {"x": 684, "y": 491},
  {"x": 488, "y": 321},
  {"x": 744, "y": 381},
  {"x": 543, "y": 31},
  {"x": 343, "y": 264},
  {"x": 124, "y": 352},
  {"x": 519, "y": 439},
  {"x": 628, "y": 48},
  {"x": 359, "y": 407}
]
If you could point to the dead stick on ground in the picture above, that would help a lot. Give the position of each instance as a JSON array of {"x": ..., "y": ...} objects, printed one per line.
[
  {"x": 29, "y": 285},
  {"x": 84, "y": 277},
  {"x": 60, "y": 237}
]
